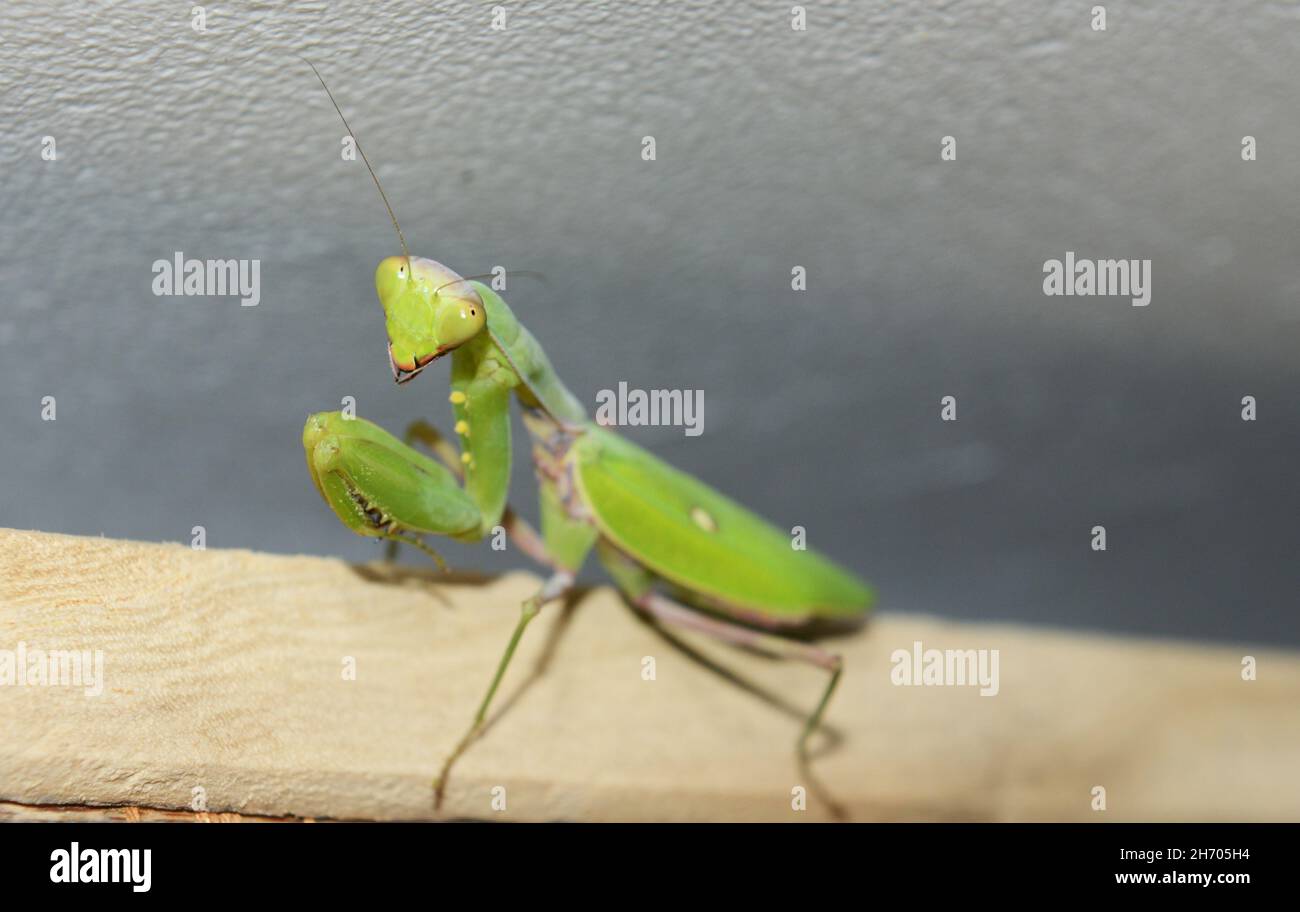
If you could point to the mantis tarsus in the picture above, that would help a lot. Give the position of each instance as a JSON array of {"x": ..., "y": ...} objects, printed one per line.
[{"x": 679, "y": 551}]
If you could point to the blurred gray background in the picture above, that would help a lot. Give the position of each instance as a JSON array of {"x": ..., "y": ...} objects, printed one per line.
[{"x": 775, "y": 148}]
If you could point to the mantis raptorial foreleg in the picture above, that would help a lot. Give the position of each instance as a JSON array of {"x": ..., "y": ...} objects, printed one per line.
[
  {"x": 393, "y": 540},
  {"x": 516, "y": 527},
  {"x": 556, "y": 587},
  {"x": 423, "y": 432}
]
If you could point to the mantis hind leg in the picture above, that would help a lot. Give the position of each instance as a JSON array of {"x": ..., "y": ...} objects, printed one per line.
[
  {"x": 669, "y": 612},
  {"x": 637, "y": 584}
]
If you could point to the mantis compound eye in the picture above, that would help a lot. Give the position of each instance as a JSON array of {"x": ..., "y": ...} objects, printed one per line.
[
  {"x": 392, "y": 274},
  {"x": 457, "y": 318}
]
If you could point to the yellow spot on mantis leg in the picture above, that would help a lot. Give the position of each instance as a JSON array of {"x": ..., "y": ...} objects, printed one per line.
[
  {"x": 457, "y": 397},
  {"x": 462, "y": 428},
  {"x": 703, "y": 519}
]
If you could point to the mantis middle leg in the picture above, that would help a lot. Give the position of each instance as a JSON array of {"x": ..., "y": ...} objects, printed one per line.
[{"x": 567, "y": 542}]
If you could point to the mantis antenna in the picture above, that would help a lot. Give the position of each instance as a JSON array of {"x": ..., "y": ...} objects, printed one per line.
[
  {"x": 373, "y": 176},
  {"x": 540, "y": 276}
]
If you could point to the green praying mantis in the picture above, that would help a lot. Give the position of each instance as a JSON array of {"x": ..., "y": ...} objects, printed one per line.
[{"x": 679, "y": 551}]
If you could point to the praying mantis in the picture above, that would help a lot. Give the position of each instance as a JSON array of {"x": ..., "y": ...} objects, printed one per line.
[{"x": 679, "y": 551}]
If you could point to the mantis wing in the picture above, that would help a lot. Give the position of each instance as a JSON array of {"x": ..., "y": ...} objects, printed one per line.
[{"x": 689, "y": 534}]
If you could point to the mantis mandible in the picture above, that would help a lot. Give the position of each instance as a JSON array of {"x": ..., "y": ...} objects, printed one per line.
[{"x": 678, "y": 550}]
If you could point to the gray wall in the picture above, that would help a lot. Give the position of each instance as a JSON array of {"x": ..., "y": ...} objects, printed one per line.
[{"x": 775, "y": 148}]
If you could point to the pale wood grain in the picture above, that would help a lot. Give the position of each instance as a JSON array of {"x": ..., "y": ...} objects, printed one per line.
[{"x": 224, "y": 672}]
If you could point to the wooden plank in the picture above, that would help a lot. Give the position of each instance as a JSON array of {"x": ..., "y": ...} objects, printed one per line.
[
  {"x": 12, "y": 812},
  {"x": 223, "y": 671}
]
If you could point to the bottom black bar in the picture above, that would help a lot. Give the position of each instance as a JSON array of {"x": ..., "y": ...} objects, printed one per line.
[{"x": 333, "y": 860}]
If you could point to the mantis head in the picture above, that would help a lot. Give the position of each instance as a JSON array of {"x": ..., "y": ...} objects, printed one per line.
[{"x": 429, "y": 310}]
